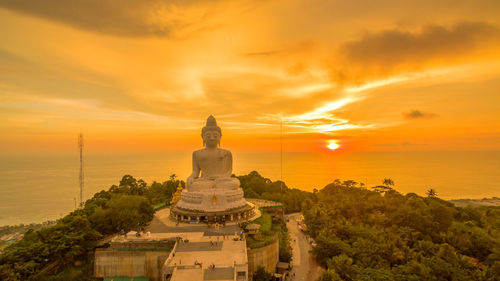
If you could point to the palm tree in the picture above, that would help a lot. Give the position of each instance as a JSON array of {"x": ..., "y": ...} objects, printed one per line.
[
  {"x": 431, "y": 193},
  {"x": 388, "y": 182},
  {"x": 385, "y": 187}
]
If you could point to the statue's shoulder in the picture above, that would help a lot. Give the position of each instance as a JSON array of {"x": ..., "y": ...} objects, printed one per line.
[
  {"x": 196, "y": 152},
  {"x": 225, "y": 151}
]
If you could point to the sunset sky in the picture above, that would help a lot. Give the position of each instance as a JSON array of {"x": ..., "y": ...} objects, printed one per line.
[{"x": 144, "y": 75}]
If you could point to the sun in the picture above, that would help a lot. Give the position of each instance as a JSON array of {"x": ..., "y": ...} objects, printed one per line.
[{"x": 332, "y": 144}]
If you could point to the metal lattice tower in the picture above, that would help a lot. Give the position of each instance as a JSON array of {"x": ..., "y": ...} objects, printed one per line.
[
  {"x": 281, "y": 153},
  {"x": 80, "y": 146}
]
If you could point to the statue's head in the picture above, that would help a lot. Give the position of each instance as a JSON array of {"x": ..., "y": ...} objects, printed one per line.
[{"x": 211, "y": 133}]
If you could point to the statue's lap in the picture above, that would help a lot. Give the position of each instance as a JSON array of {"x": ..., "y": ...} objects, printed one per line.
[{"x": 201, "y": 184}]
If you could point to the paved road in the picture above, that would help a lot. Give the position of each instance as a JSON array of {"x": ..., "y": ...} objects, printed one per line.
[{"x": 305, "y": 266}]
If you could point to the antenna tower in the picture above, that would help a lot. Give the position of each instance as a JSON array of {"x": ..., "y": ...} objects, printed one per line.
[
  {"x": 281, "y": 153},
  {"x": 80, "y": 146}
]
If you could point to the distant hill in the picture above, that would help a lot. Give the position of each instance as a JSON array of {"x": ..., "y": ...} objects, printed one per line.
[{"x": 494, "y": 201}]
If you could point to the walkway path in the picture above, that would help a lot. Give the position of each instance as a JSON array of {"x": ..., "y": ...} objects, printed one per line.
[{"x": 305, "y": 266}]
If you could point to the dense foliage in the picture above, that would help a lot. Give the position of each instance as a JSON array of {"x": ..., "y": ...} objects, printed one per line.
[
  {"x": 122, "y": 208},
  {"x": 262, "y": 275},
  {"x": 360, "y": 234},
  {"x": 256, "y": 186},
  {"x": 285, "y": 249},
  {"x": 384, "y": 235}
]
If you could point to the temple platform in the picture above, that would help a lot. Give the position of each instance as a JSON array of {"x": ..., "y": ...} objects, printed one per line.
[{"x": 238, "y": 214}]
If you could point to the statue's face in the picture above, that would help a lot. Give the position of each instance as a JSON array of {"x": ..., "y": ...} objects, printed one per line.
[{"x": 211, "y": 138}]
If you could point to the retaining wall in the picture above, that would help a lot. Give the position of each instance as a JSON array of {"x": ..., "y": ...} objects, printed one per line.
[
  {"x": 267, "y": 257},
  {"x": 109, "y": 263}
]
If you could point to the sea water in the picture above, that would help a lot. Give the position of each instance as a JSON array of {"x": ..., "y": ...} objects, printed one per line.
[{"x": 36, "y": 188}]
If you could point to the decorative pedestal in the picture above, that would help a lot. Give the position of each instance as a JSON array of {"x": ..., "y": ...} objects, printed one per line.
[{"x": 212, "y": 206}]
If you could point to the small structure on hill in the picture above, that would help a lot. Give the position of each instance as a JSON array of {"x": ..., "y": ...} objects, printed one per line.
[{"x": 253, "y": 228}]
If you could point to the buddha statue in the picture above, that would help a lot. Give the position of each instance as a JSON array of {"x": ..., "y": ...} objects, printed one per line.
[
  {"x": 211, "y": 193},
  {"x": 214, "y": 163}
]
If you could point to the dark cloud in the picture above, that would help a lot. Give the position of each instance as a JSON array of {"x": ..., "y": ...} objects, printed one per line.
[
  {"x": 417, "y": 114},
  {"x": 387, "y": 52},
  {"x": 123, "y": 17}
]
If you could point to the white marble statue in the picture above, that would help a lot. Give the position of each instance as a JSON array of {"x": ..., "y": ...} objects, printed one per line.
[
  {"x": 210, "y": 188},
  {"x": 215, "y": 164}
]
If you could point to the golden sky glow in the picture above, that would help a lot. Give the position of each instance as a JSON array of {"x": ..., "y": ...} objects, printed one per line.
[{"x": 144, "y": 75}]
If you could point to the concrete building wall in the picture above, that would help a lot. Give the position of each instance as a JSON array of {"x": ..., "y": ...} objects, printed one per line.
[
  {"x": 109, "y": 263},
  {"x": 267, "y": 257},
  {"x": 154, "y": 263}
]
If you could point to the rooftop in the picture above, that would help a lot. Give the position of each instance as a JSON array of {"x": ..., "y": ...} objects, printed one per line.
[
  {"x": 224, "y": 273},
  {"x": 222, "y": 253},
  {"x": 187, "y": 274}
]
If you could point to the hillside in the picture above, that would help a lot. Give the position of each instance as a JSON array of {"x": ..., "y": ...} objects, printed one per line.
[
  {"x": 384, "y": 235},
  {"x": 361, "y": 233}
]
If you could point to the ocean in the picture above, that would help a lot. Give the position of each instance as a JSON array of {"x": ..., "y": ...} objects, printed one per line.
[{"x": 36, "y": 188}]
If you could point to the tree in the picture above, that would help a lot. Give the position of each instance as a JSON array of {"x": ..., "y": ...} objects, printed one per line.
[
  {"x": 262, "y": 275},
  {"x": 129, "y": 212},
  {"x": 128, "y": 180},
  {"x": 385, "y": 187},
  {"x": 349, "y": 183},
  {"x": 343, "y": 266},
  {"x": 431, "y": 193},
  {"x": 493, "y": 271},
  {"x": 382, "y": 188},
  {"x": 329, "y": 275},
  {"x": 388, "y": 182},
  {"x": 442, "y": 216},
  {"x": 329, "y": 245}
]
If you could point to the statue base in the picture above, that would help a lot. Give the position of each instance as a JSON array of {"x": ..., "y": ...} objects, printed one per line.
[{"x": 212, "y": 206}]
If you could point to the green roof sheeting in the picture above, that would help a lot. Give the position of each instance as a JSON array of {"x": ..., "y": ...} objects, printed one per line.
[
  {"x": 159, "y": 207},
  {"x": 123, "y": 278}
]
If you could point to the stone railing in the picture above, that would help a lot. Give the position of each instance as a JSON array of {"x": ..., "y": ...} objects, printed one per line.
[{"x": 261, "y": 203}]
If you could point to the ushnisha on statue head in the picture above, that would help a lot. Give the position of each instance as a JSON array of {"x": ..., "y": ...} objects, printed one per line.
[{"x": 211, "y": 133}]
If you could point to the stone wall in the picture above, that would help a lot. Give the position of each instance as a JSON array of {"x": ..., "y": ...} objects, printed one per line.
[
  {"x": 267, "y": 257},
  {"x": 110, "y": 263}
]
